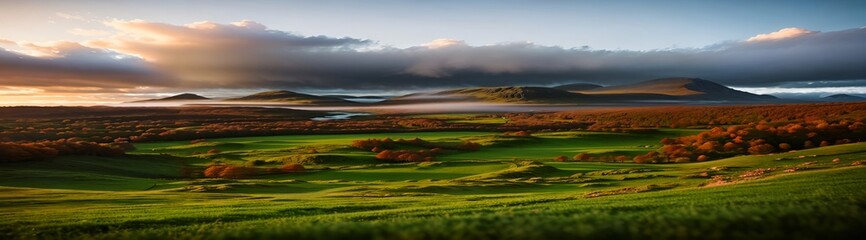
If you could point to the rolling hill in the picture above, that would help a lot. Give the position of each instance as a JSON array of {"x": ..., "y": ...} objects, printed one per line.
[
  {"x": 657, "y": 90},
  {"x": 179, "y": 97},
  {"x": 578, "y": 87},
  {"x": 842, "y": 98},
  {"x": 681, "y": 89},
  {"x": 289, "y": 97},
  {"x": 516, "y": 95}
]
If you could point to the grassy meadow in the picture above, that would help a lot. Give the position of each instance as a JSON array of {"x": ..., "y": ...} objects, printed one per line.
[{"x": 509, "y": 189}]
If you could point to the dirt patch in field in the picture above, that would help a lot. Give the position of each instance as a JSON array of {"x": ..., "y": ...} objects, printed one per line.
[
  {"x": 525, "y": 169},
  {"x": 621, "y": 171},
  {"x": 629, "y": 190},
  {"x": 756, "y": 173},
  {"x": 697, "y": 175}
]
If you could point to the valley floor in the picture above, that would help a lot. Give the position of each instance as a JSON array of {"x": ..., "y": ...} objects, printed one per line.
[{"x": 509, "y": 189}]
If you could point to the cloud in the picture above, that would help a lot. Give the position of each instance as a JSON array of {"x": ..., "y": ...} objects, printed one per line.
[
  {"x": 70, "y": 64},
  {"x": 19, "y": 91},
  {"x": 781, "y": 34},
  {"x": 248, "y": 55},
  {"x": 7, "y": 42},
  {"x": 444, "y": 42},
  {"x": 241, "y": 54},
  {"x": 70, "y": 16},
  {"x": 88, "y": 32}
]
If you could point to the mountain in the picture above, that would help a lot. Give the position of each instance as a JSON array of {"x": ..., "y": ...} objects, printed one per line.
[
  {"x": 657, "y": 90},
  {"x": 578, "y": 87},
  {"x": 179, "y": 97},
  {"x": 843, "y": 98},
  {"x": 492, "y": 95},
  {"x": 681, "y": 89},
  {"x": 517, "y": 94},
  {"x": 355, "y": 97},
  {"x": 290, "y": 97}
]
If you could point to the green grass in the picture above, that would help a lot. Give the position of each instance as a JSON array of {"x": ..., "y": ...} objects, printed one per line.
[
  {"x": 132, "y": 173},
  {"x": 474, "y": 195},
  {"x": 281, "y": 142},
  {"x": 547, "y": 146},
  {"x": 542, "y": 146}
]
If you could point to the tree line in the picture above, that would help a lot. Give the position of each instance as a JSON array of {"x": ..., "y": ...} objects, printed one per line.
[
  {"x": 757, "y": 139},
  {"x": 45, "y": 149},
  {"x": 387, "y": 149}
]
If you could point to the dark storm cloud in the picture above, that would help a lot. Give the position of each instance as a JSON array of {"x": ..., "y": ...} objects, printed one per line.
[
  {"x": 248, "y": 55},
  {"x": 68, "y": 64},
  {"x": 827, "y": 56}
]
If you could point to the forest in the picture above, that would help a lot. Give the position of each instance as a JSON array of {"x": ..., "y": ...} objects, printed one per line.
[{"x": 44, "y": 132}]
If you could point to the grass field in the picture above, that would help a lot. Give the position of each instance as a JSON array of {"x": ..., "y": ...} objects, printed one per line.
[
  {"x": 509, "y": 189},
  {"x": 541, "y": 147}
]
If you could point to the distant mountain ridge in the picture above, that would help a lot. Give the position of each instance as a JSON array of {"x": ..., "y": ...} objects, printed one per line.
[
  {"x": 665, "y": 89},
  {"x": 179, "y": 97},
  {"x": 843, "y": 98},
  {"x": 289, "y": 97},
  {"x": 517, "y": 94},
  {"x": 578, "y": 87},
  {"x": 683, "y": 89}
]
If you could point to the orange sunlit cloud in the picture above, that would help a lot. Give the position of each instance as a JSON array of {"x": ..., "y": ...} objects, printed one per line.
[{"x": 781, "y": 34}]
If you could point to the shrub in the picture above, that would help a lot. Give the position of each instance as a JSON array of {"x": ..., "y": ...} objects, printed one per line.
[
  {"x": 311, "y": 158},
  {"x": 213, "y": 171},
  {"x": 228, "y": 171},
  {"x": 582, "y": 157},
  {"x": 384, "y": 154},
  {"x": 237, "y": 172},
  {"x": 649, "y": 157},
  {"x": 405, "y": 156},
  {"x": 292, "y": 167},
  {"x": 519, "y": 134},
  {"x": 761, "y": 149}
]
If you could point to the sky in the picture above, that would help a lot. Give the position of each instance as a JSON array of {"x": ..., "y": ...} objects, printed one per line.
[{"x": 99, "y": 52}]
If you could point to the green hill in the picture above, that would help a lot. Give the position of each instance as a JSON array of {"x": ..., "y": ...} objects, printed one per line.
[
  {"x": 681, "y": 88},
  {"x": 517, "y": 95},
  {"x": 289, "y": 97},
  {"x": 658, "y": 90},
  {"x": 578, "y": 87},
  {"x": 179, "y": 97}
]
